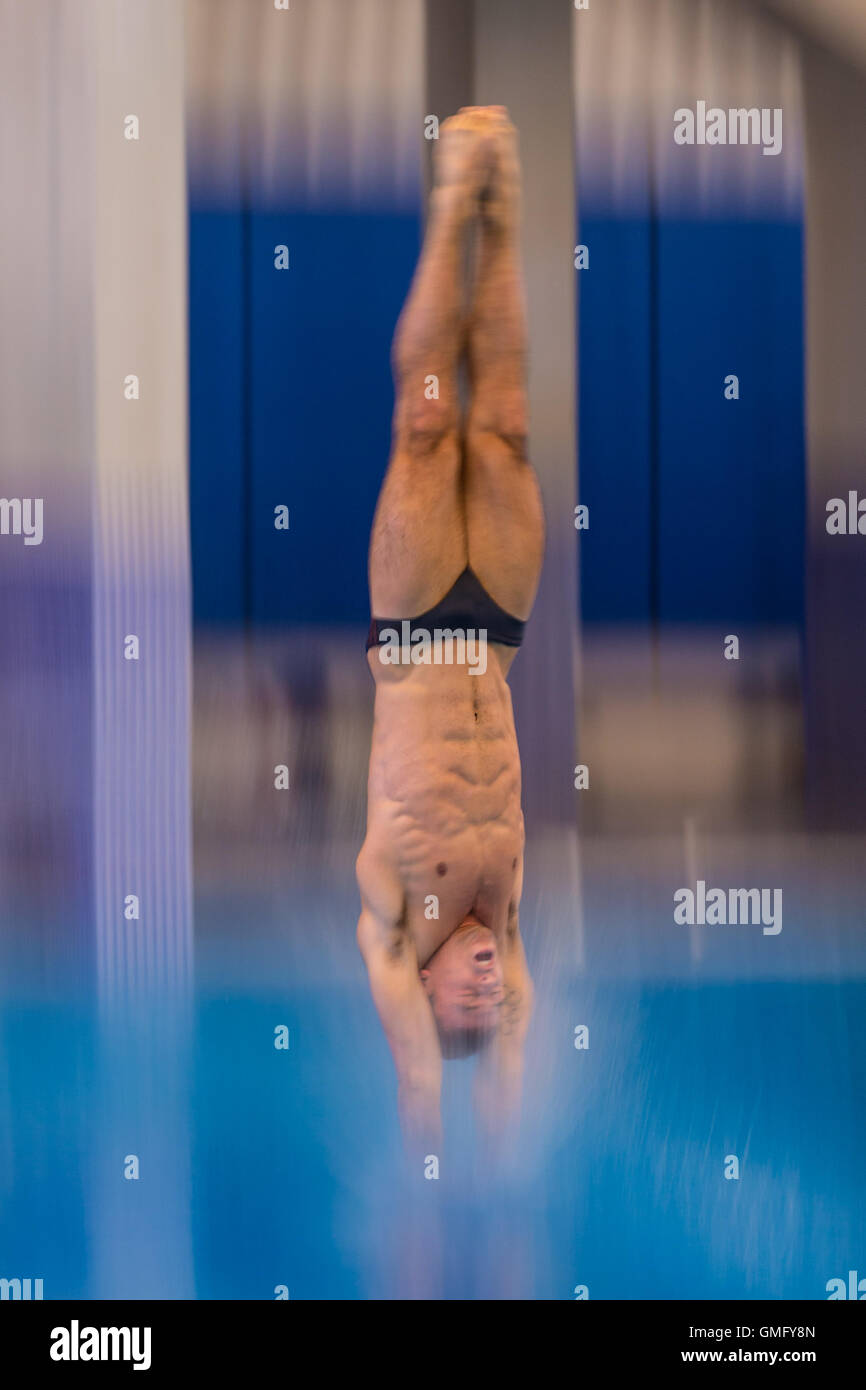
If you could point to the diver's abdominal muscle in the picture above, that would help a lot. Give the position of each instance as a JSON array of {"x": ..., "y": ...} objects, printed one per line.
[
  {"x": 444, "y": 759},
  {"x": 457, "y": 742}
]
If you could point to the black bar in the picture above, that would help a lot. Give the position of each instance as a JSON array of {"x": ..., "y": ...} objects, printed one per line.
[{"x": 223, "y": 1338}]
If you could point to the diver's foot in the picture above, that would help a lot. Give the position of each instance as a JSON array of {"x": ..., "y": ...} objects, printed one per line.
[
  {"x": 465, "y": 156},
  {"x": 500, "y": 198}
]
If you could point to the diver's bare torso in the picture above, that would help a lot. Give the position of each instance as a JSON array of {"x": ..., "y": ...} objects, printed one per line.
[{"x": 444, "y": 822}]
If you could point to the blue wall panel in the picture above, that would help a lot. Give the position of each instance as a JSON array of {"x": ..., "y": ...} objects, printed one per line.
[
  {"x": 732, "y": 471},
  {"x": 728, "y": 525},
  {"x": 215, "y": 409},
  {"x": 614, "y": 419},
  {"x": 290, "y": 388}
]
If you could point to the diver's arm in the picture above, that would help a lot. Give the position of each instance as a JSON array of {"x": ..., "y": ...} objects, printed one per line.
[
  {"x": 404, "y": 1009},
  {"x": 499, "y": 1078}
]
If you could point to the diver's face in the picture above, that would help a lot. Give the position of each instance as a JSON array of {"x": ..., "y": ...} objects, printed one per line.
[{"x": 464, "y": 979}]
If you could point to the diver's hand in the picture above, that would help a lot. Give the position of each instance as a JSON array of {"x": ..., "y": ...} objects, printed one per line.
[
  {"x": 419, "y": 1103},
  {"x": 499, "y": 1078},
  {"x": 498, "y": 1094}
]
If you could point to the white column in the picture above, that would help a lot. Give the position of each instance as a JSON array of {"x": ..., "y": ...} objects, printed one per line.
[
  {"x": 523, "y": 61},
  {"x": 141, "y": 646},
  {"x": 835, "y": 676},
  {"x": 93, "y": 291}
]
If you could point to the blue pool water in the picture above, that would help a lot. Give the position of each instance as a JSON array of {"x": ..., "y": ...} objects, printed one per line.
[{"x": 262, "y": 1168}]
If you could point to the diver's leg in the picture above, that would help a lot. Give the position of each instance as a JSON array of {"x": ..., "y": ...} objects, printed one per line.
[
  {"x": 505, "y": 523},
  {"x": 418, "y": 544}
]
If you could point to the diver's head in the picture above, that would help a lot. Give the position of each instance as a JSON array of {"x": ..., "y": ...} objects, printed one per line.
[{"x": 464, "y": 984}]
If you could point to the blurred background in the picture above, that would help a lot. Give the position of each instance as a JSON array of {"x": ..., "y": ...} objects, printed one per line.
[{"x": 164, "y": 387}]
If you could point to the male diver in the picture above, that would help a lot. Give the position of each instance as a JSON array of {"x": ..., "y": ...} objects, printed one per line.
[{"x": 457, "y": 541}]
